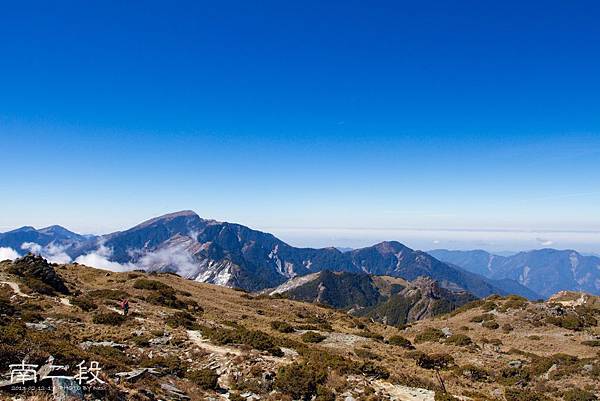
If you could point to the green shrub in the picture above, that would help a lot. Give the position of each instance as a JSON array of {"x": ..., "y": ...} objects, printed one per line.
[
  {"x": 513, "y": 302},
  {"x": 31, "y": 316},
  {"x": 182, "y": 319},
  {"x": 236, "y": 397},
  {"x": 312, "y": 337},
  {"x": 110, "y": 318},
  {"x": 442, "y": 396},
  {"x": 483, "y": 318},
  {"x": 153, "y": 285},
  {"x": 141, "y": 341},
  {"x": 490, "y": 324},
  {"x": 460, "y": 340},
  {"x": 206, "y": 379},
  {"x": 324, "y": 394},
  {"x": 591, "y": 343},
  {"x": 240, "y": 335},
  {"x": 488, "y": 306},
  {"x": 373, "y": 336},
  {"x": 474, "y": 373},
  {"x": 514, "y": 376},
  {"x": 366, "y": 354},
  {"x": 516, "y": 394},
  {"x": 299, "y": 380},
  {"x": 282, "y": 327},
  {"x": 37, "y": 285},
  {"x": 576, "y": 394},
  {"x": 168, "y": 300},
  {"x": 12, "y": 333},
  {"x": 115, "y": 295},
  {"x": 570, "y": 322},
  {"x": 429, "y": 334},
  {"x": 84, "y": 303},
  {"x": 467, "y": 306},
  {"x": 433, "y": 361},
  {"x": 400, "y": 342}
]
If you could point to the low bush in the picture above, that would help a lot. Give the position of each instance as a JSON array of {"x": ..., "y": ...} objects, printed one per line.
[
  {"x": 110, "y": 318},
  {"x": 115, "y": 295},
  {"x": 460, "y": 340},
  {"x": 300, "y": 380},
  {"x": 240, "y": 335},
  {"x": 517, "y": 394},
  {"x": 591, "y": 343},
  {"x": 84, "y": 303},
  {"x": 483, "y": 318},
  {"x": 206, "y": 379},
  {"x": 282, "y": 327},
  {"x": 366, "y": 354},
  {"x": 429, "y": 334},
  {"x": 152, "y": 285},
  {"x": 490, "y": 324},
  {"x": 474, "y": 373},
  {"x": 576, "y": 394},
  {"x": 371, "y": 335},
  {"x": 312, "y": 337},
  {"x": 432, "y": 361},
  {"x": 442, "y": 396},
  {"x": 400, "y": 342},
  {"x": 182, "y": 319}
]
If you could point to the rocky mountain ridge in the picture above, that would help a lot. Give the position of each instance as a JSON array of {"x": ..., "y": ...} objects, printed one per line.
[{"x": 236, "y": 256}]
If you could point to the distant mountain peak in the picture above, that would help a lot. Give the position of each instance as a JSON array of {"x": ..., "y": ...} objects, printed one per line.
[{"x": 169, "y": 216}]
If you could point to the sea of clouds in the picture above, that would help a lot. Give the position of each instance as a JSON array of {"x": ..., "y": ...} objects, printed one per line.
[{"x": 175, "y": 258}]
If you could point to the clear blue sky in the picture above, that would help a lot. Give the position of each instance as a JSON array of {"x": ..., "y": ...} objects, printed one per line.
[{"x": 325, "y": 122}]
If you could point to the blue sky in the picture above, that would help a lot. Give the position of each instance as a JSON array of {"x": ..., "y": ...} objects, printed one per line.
[{"x": 458, "y": 124}]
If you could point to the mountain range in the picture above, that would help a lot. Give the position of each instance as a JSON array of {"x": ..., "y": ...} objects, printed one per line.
[
  {"x": 545, "y": 271},
  {"x": 385, "y": 299},
  {"x": 236, "y": 256}
]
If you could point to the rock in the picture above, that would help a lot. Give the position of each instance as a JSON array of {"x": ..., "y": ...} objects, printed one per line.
[
  {"x": 112, "y": 344},
  {"x": 41, "y": 326},
  {"x": 249, "y": 396},
  {"x": 37, "y": 267},
  {"x": 136, "y": 374},
  {"x": 587, "y": 368},
  {"x": 447, "y": 332},
  {"x": 516, "y": 364},
  {"x": 174, "y": 391},
  {"x": 160, "y": 340},
  {"x": 66, "y": 390}
]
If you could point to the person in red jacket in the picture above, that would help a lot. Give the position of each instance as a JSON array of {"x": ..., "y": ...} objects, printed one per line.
[{"x": 125, "y": 306}]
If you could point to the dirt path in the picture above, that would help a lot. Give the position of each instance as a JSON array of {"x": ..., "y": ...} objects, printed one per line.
[
  {"x": 203, "y": 343},
  {"x": 15, "y": 287},
  {"x": 403, "y": 393}
]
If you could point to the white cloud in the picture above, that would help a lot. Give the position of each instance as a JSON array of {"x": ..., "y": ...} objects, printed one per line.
[
  {"x": 176, "y": 258},
  {"x": 100, "y": 259},
  {"x": 52, "y": 252},
  {"x": 8, "y": 253},
  {"x": 544, "y": 242}
]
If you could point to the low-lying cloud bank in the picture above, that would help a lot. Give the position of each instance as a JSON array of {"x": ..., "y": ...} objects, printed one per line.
[
  {"x": 176, "y": 258},
  {"x": 100, "y": 259},
  {"x": 52, "y": 253},
  {"x": 8, "y": 253}
]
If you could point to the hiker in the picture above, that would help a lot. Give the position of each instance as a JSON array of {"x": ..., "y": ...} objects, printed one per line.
[{"x": 125, "y": 306}]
